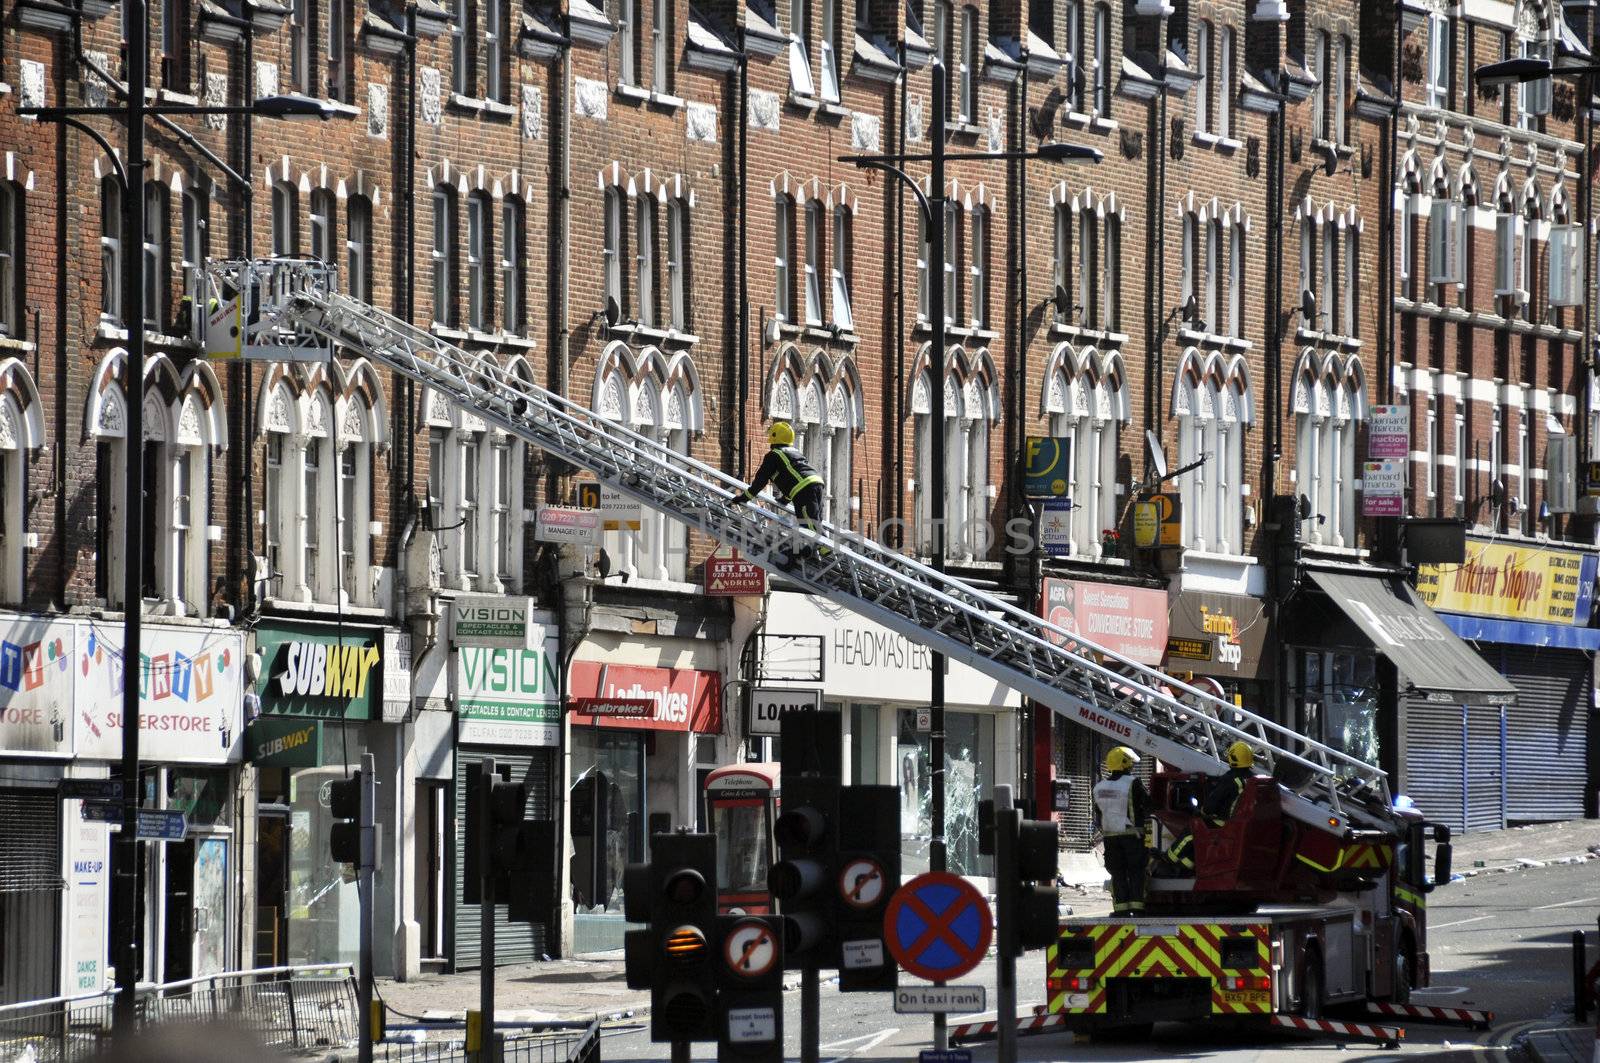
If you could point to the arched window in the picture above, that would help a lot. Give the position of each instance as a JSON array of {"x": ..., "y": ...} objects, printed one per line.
[
  {"x": 13, "y": 262},
  {"x": 157, "y": 233},
  {"x": 324, "y": 215},
  {"x": 971, "y": 408},
  {"x": 1328, "y": 401},
  {"x": 512, "y": 237},
  {"x": 111, "y": 248},
  {"x": 358, "y": 249},
  {"x": 615, "y": 238},
  {"x": 285, "y": 219},
  {"x": 444, "y": 256},
  {"x": 1086, "y": 399},
  {"x": 21, "y": 432},
  {"x": 480, "y": 260},
  {"x": 1211, "y": 399}
]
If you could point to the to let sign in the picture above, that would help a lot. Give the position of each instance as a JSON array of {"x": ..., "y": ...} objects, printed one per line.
[
  {"x": 1389, "y": 432},
  {"x": 558, "y": 524},
  {"x": 732, "y": 577}
]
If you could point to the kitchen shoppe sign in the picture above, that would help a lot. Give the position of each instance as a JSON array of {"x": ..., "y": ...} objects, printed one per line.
[
  {"x": 191, "y": 691},
  {"x": 36, "y": 684},
  {"x": 321, "y": 670},
  {"x": 1514, "y": 582},
  {"x": 684, "y": 699}
]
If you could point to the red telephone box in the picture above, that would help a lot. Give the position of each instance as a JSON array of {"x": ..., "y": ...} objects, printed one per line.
[{"x": 741, "y": 806}]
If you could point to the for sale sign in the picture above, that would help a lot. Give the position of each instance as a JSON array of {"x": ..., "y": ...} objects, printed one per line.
[{"x": 1383, "y": 488}]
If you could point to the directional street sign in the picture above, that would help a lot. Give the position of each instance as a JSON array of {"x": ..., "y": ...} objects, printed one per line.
[
  {"x": 101, "y": 812},
  {"x": 938, "y": 927},
  {"x": 161, "y": 825},
  {"x": 750, "y": 948},
  {"x": 91, "y": 789},
  {"x": 861, "y": 883},
  {"x": 939, "y": 999}
]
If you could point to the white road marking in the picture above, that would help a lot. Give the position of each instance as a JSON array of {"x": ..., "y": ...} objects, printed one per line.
[
  {"x": 1565, "y": 904},
  {"x": 864, "y": 1043},
  {"x": 1459, "y": 922}
]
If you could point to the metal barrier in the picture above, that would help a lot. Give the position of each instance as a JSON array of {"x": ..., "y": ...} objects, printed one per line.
[
  {"x": 551, "y": 1043},
  {"x": 289, "y": 1008}
]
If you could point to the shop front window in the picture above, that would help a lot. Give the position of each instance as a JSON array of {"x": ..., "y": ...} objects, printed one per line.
[
  {"x": 324, "y": 910},
  {"x": 743, "y": 855},
  {"x": 968, "y": 778},
  {"x": 1339, "y": 701},
  {"x": 608, "y": 829}
]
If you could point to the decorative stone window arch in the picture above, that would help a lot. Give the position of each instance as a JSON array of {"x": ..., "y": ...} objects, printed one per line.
[
  {"x": 1212, "y": 401},
  {"x": 360, "y": 432},
  {"x": 1085, "y": 398},
  {"x": 21, "y": 435},
  {"x": 1329, "y": 402}
]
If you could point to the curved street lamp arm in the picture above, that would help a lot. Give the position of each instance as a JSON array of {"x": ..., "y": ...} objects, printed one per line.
[
  {"x": 916, "y": 190},
  {"x": 105, "y": 145}
]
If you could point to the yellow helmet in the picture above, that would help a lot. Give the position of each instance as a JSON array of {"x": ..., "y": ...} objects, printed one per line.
[
  {"x": 780, "y": 434},
  {"x": 1240, "y": 755},
  {"x": 1121, "y": 759}
]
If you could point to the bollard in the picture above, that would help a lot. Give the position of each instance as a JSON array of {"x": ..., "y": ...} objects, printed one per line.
[{"x": 1580, "y": 986}]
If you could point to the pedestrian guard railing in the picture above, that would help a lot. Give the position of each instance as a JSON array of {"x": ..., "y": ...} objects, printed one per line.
[
  {"x": 286, "y": 1008},
  {"x": 293, "y": 309}
]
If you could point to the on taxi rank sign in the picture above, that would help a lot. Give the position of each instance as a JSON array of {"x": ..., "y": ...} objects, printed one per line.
[{"x": 938, "y": 927}]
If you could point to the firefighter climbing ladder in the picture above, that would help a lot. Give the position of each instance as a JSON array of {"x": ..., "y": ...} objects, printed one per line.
[{"x": 301, "y": 315}]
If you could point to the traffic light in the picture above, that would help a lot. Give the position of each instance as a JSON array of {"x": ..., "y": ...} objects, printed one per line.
[
  {"x": 1027, "y": 855},
  {"x": 676, "y": 894},
  {"x": 495, "y": 841},
  {"x": 869, "y": 873},
  {"x": 750, "y": 989},
  {"x": 529, "y": 892},
  {"x": 804, "y": 880},
  {"x": 344, "y": 804}
]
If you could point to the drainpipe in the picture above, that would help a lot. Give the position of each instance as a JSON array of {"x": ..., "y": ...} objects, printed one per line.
[
  {"x": 410, "y": 294},
  {"x": 900, "y": 386},
  {"x": 744, "y": 265},
  {"x": 563, "y": 248}
]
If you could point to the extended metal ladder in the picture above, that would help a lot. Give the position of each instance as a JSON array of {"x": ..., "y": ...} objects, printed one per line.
[{"x": 1183, "y": 726}]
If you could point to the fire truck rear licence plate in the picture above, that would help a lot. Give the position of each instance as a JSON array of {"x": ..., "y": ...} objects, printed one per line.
[{"x": 1244, "y": 996}]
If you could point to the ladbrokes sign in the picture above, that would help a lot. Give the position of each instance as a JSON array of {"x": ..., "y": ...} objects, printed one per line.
[{"x": 320, "y": 671}]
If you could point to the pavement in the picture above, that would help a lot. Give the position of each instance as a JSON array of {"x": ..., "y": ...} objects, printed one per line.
[{"x": 595, "y": 984}]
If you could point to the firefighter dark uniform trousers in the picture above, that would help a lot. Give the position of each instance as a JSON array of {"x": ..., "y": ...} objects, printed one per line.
[
  {"x": 1123, "y": 808},
  {"x": 792, "y": 476}
]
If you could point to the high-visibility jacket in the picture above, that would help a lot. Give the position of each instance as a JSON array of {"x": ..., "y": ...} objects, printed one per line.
[
  {"x": 786, "y": 468},
  {"x": 1122, "y": 804},
  {"x": 1222, "y": 796}
]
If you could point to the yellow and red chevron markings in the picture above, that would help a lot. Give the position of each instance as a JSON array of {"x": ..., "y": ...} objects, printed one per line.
[{"x": 1192, "y": 950}]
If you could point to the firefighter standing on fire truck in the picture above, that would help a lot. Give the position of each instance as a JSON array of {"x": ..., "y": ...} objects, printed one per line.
[
  {"x": 1221, "y": 798},
  {"x": 1123, "y": 808}
]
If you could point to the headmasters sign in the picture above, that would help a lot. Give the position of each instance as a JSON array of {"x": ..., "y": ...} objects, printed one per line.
[{"x": 510, "y": 697}]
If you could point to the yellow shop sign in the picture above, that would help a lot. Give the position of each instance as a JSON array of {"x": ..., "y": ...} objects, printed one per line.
[{"x": 1513, "y": 581}]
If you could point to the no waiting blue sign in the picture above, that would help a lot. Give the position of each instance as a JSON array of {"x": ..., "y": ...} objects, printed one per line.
[{"x": 938, "y": 926}]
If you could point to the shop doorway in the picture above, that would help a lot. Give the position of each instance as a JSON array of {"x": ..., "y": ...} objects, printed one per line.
[
  {"x": 178, "y": 899},
  {"x": 429, "y": 861},
  {"x": 607, "y": 823},
  {"x": 272, "y": 886}
]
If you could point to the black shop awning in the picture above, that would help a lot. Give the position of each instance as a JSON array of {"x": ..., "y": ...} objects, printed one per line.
[{"x": 1431, "y": 659}]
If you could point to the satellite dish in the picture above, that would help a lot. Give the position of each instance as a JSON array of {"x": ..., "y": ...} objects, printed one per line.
[
  {"x": 1063, "y": 302},
  {"x": 1308, "y": 308},
  {"x": 1158, "y": 457},
  {"x": 613, "y": 314}
]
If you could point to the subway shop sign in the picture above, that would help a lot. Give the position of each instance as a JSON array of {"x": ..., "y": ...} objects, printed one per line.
[{"x": 320, "y": 670}]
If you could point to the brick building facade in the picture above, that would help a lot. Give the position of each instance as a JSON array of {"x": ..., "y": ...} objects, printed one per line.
[{"x": 1304, "y": 210}]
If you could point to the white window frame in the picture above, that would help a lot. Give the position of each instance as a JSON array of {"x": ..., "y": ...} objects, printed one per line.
[
  {"x": 358, "y": 248},
  {"x": 843, "y": 318},
  {"x": 512, "y": 235},
  {"x": 1213, "y": 276},
  {"x": 1235, "y": 279},
  {"x": 813, "y": 262},
  {"x": 334, "y": 51},
  {"x": 977, "y": 266},
  {"x": 1444, "y": 230},
  {"x": 615, "y": 225},
  {"x": 1063, "y": 263},
  {"x": 461, "y": 43},
  {"x": 1102, "y": 61},
  {"x": 967, "y": 69},
  {"x": 1073, "y": 54},
  {"x": 443, "y": 255},
  {"x": 480, "y": 251},
  {"x": 628, "y": 30},
  {"x": 1088, "y": 255},
  {"x": 1459, "y": 442},
  {"x": 285, "y": 220},
  {"x": 1430, "y": 443},
  {"x": 494, "y": 38},
  {"x": 831, "y": 50},
  {"x": 194, "y": 229},
  {"x": 111, "y": 248},
  {"x": 801, "y": 82},
  {"x": 301, "y": 30},
  {"x": 1350, "y": 299},
  {"x": 1202, "y": 85},
  {"x": 353, "y": 506},
  {"x": 660, "y": 47},
  {"x": 1564, "y": 262},
  {"x": 783, "y": 258},
  {"x": 678, "y": 243},
  {"x": 1338, "y": 100},
  {"x": 952, "y": 262},
  {"x": 1438, "y": 60},
  {"x": 324, "y": 211},
  {"x": 469, "y": 499},
  {"x": 1111, "y": 274},
  {"x": 924, "y": 268},
  {"x": 1224, "y": 111},
  {"x": 644, "y": 230},
  {"x": 157, "y": 222}
]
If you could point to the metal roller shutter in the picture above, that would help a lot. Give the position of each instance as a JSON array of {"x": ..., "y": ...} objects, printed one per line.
[
  {"x": 1547, "y": 732},
  {"x": 1434, "y": 765},
  {"x": 1486, "y": 760},
  {"x": 30, "y": 840},
  {"x": 513, "y": 942}
]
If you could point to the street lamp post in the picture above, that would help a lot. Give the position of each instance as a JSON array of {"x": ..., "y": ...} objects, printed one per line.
[
  {"x": 126, "y": 932},
  {"x": 934, "y": 216},
  {"x": 1520, "y": 71}
]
